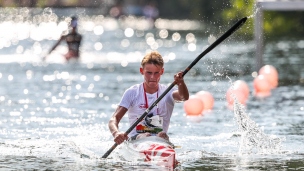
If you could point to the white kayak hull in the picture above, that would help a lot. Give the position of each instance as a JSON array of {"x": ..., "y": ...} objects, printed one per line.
[{"x": 152, "y": 149}]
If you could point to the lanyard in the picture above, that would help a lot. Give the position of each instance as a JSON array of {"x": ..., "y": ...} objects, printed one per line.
[{"x": 146, "y": 100}]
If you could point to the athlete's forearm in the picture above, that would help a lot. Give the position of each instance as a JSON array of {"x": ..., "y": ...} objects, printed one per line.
[
  {"x": 115, "y": 119},
  {"x": 113, "y": 126},
  {"x": 183, "y": 91}
]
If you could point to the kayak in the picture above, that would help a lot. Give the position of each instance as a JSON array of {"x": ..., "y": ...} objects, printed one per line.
[{"x": 152, "y": 149}]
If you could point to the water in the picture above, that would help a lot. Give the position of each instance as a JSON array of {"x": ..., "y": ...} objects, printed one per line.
[{"x": 54, "y": 114}]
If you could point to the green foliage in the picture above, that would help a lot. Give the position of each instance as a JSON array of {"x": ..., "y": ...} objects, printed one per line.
[
  {"x": 286, "y": 24},
  {"x": 238, "y": 10},
  {"x": 276, "y": 23},
  {"x": 41, "y": 3}
]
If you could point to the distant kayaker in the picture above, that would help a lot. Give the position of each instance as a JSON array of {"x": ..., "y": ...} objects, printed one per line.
[
  {"x": 139, "y": 97},
  {"x": 73, "y": 40}
]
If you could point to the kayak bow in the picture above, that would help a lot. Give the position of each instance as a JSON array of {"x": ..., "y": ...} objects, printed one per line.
[{"x": 152, "y": 149}]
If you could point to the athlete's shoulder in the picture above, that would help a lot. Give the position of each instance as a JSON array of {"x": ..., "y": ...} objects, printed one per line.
[
  {"x": 134, "y": 87},
  {"x": 131, "y": 93},
  {"x": 163, "y": 86}
]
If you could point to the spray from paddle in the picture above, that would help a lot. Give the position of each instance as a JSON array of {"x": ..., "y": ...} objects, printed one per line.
[
  {"x": 253, "y": 139},
  {"x": 235, "y": 27}
]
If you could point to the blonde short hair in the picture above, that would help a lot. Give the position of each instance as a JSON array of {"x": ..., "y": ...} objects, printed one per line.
[{"x": 154, "y": 58}]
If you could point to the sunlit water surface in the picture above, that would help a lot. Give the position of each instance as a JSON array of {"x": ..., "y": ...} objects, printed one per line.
[{"x": 54, "y": 114}]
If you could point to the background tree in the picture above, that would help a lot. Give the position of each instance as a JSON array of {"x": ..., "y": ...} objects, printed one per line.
[{"x": 276, "y": 23}]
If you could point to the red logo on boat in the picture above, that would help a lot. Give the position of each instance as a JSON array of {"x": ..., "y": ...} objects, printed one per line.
[{"x": 165, "y": 154}]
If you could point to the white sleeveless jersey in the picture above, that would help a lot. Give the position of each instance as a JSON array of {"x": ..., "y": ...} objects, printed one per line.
[{"x": 134, "y": 100}]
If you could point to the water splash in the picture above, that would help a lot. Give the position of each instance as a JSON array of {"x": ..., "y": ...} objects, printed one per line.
[
  {"x": 47, "y": 11},
  {"x": 251, "y": 16},
  {"x": 211, "y": 39},
  {"x": 253, "y": 139},
  {"x": 256, "y": 9}
]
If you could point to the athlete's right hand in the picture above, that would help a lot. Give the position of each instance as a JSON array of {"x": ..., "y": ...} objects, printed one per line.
[{"x": 120, "y": 137}]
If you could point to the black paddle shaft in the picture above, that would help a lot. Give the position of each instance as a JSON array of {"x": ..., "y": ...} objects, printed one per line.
[{"x": 235, "y": 27}]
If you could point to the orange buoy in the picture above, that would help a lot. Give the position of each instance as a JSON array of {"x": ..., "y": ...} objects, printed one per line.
[
  {"x": 262, "y": 87},
  {"x": 242, "y": 86},
  {"x": 194, "y": 106},
  {"x": 207, "y": 98},
  {"x": 234, "y": 93},
  {"x": 271, "y": 74}
]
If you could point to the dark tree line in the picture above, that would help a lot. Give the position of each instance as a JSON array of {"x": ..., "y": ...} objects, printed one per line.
[{"x": 210, "y": 12}]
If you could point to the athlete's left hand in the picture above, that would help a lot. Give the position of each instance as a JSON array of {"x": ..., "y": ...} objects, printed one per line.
[{"x": 178, "y": 78}]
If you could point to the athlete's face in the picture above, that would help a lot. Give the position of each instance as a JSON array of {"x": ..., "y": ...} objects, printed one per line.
[{"x": 152, "y": 74}]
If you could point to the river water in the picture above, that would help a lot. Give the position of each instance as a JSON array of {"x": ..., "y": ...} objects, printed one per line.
[{"x": 54, "y": 114}]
